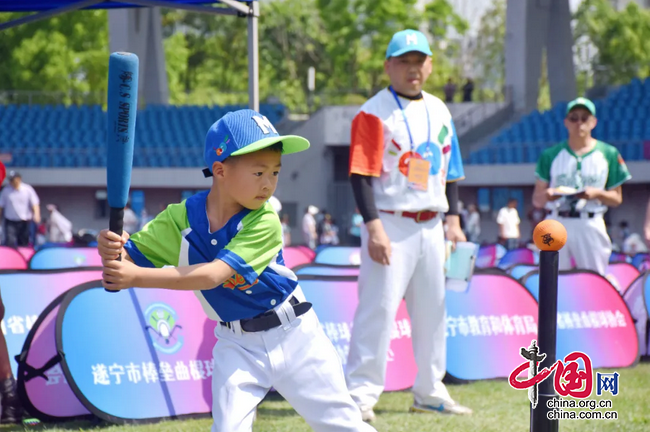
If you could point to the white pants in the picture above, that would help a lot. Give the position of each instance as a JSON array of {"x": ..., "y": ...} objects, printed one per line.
[
  {"x": 416, "y": 273},
  {"x": 297, "y": 359},
  {"x": 587, "y": 243}
]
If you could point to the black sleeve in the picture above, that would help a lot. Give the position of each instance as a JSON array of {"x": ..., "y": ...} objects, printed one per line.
[
  {"x": 363, "y": 195},
  {"x": 452, "y": 198}
]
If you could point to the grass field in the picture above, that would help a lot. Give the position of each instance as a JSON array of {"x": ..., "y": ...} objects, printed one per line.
[{"x": 497, "y": 408}]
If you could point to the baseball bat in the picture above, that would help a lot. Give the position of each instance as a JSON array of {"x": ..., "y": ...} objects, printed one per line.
[{"x": 122, "y": 108}]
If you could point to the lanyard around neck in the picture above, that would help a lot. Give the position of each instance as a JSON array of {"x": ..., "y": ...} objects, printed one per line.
[{"x": 408, "y": 128}]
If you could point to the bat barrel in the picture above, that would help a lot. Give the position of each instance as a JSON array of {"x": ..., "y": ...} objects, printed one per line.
[
  {"x": 546, "y": 339},
  {"x": 121, "y": 112}
]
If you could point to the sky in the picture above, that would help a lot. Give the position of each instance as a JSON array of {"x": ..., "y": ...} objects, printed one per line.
[{"x": 472, "y": 10}]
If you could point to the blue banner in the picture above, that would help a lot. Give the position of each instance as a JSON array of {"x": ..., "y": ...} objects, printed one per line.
[{"x": 143, "y": 353}]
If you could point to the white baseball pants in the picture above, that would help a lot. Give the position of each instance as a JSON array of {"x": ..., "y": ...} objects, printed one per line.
[
  {"x": 587, "y": 242},
  {"x": 297, "y": 359},
  {"x": 416, "y": 273}
]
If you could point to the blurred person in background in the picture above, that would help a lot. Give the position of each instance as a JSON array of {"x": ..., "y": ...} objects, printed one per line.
[
  {"x": 508, "y": 220},
  {"x": 20, "y": 206},
  {"x": 131, "y": 221},
  {"x": 309, "y": 227},
  {"x": 450, "y": 90},
  {"x": 355, "y": 227},
  {"x": 330, "y": 234},
  {"x": 59, "y": 228},
  {"x": 468, "y": 89},
  {"x": 473, "y": 226},
  {"x": 623, "y": 231},
  {"x": 286, "y": 230}
]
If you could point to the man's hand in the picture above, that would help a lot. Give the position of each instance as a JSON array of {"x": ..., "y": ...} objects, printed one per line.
[
  {"x": 590, "y": 193},
  {"x": 552, "y": 195},
  {"x": 454, "y": 232},
  {"x": 110, "y": 245},
  {"x": 119, "y": 275},
  {"x": 379, "y": 246}
]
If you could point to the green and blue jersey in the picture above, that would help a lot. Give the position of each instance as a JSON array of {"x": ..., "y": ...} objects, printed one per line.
[{"x": 250, "y": 243}]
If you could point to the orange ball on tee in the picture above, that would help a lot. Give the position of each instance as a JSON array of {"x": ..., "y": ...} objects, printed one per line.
[{"x": 549, "y": 235}]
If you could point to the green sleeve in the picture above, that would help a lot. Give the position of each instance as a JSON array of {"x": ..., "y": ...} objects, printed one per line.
[
  {"x": 618, "y": 172},
  {"x": 158, "y": 244},
  {"x": 255, "y": 246}
]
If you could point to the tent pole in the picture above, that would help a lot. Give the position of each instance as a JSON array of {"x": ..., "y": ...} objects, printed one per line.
[
  {"x": 183, "y": 6},
  {"x": 253, "y": 57}
]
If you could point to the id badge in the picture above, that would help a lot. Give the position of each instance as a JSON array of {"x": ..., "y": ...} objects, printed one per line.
[{"x": 418, "y": 174}]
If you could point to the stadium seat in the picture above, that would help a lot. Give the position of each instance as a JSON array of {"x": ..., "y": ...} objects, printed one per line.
[
  {"x": 623, "y": 120},
  {"x": 74, "y": 136}
]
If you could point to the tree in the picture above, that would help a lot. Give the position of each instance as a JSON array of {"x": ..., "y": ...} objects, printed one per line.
[
  {"x": 489, "y": 51},
  {"x": 360, "y": 31},
  {"x": 439, "y": 16},
  {"x": 621, "y": 40},
  {"x": 66, "y": 54},
  {"x": 213, "y": 64}
]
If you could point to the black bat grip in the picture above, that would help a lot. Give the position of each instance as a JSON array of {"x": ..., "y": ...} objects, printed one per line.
[{"x": 116, "y": 225}]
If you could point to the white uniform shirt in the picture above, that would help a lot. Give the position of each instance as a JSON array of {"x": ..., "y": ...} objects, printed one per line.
[
  {"x": 381, "y": 147},
  {"x": 17, "y": 204},
  {"x": 602, "y": 168},
  {"x": 308, "y": 224},
  {"x": 509, "y": 218},
  {"x": 60, "y": 228}
]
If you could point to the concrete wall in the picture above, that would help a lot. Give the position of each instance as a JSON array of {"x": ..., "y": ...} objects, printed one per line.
[
  {"x": 80, "y": 206},
  {"x": 140, "y": 31},
  {"x": 531, "y": 27}
]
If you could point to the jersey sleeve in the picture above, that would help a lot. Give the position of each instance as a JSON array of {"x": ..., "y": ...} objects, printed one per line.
[
  {"x": 366, "y": 145},
  {"x": 543, "y": 169},
  {"x": 255, "y": 245},
  {"x": 618, "y": 172},
  {"x": 455, "y": 171},
  {"x": 158, "y": 244}
]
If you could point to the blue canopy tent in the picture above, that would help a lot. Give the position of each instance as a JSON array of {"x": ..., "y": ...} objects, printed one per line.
[{"x": 250, "y": 9}]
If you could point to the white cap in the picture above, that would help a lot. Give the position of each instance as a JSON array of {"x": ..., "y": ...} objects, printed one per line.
[
  {"x": 312, "y": 210},
  {"x": 276, "y": 204}
]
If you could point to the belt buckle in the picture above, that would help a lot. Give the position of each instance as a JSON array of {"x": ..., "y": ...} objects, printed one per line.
[{"x": 418, "y": 216}]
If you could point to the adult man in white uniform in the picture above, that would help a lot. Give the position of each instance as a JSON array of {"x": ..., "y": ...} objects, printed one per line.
[
  {"x": 597, "y": 172},
  {"x": 403, "y": 151}
]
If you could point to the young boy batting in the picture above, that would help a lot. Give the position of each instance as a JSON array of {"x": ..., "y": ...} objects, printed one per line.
[{"x": 226, "y": 245}]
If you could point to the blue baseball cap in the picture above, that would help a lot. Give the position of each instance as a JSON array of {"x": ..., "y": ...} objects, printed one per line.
[
  {"x": 242, "y": 132},
  {"x": 406, "y": 41}
]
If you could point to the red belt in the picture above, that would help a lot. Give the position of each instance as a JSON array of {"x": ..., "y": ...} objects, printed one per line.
[{"x": 421, "y": 216}]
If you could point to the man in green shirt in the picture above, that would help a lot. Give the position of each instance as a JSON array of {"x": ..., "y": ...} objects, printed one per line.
[{"x": 577, "y": 180}]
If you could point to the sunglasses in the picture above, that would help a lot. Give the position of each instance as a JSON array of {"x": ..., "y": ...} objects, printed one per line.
[{"x": 577, "y": 118}]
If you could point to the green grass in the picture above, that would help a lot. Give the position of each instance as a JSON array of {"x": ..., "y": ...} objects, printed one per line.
[{"x": 497, "y": 408}]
